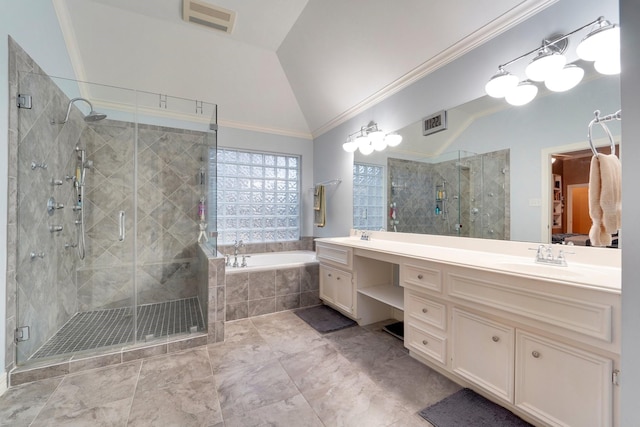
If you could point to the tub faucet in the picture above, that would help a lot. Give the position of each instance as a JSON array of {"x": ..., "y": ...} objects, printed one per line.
[{"x": 237, "y": 244}]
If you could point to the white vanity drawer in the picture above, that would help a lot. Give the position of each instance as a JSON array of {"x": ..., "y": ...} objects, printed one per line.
[
  {"x": 334, "y": 254},
  {"x": 426, "y": 310},
  {"x": 421, "y": 276},
  {"x": 426, "y": 344}
]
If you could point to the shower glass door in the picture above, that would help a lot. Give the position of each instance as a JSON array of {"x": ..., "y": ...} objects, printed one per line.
[
  {"x": 75, "y": 208},
  {"x": 115, "y": 191}
]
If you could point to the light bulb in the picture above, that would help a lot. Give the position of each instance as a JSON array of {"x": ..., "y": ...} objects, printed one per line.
[
  {"x": 544, "y": 65},
  {"x": 565, "y": 79},
  {"x": 350, "y": 146},
  {"x": 600, "y": 41},
  {"x": 522, "y": 94},
  {"x": 362, "y": 140},
  {"x": 393, "y": 139},
  {"x": 608, "y": 64},
  {"x": 500, "y": 84},
  {"x": 366, "y": 149}
]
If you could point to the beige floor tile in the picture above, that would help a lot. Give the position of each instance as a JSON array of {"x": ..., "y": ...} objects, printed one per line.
[
  {"x": 20, "y": 405},
  {"x": 98, "y": 397}
]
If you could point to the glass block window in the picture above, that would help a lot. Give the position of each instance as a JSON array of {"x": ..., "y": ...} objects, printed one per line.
[
  {"x": 368, "y": 197},
  {"x": 258, "y": 196}
]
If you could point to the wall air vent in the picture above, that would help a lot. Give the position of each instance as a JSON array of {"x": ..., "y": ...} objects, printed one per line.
[{"x": 209, "y": 15}]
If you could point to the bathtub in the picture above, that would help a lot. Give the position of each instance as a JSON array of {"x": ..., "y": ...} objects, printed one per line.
[{"x": 273, "y": 261}]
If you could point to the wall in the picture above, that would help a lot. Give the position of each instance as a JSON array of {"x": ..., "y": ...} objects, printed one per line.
[{"x": 630, "y": 379}]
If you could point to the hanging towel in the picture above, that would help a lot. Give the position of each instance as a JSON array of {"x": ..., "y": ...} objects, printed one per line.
[
  {"x": 319, "y": 206},
  {"x": 605, "y": 191}
]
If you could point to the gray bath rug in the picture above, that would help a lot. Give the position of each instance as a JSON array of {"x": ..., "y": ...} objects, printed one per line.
[
  {"x": 466, "y": 408},
  {"x": 324, "y": 319}
]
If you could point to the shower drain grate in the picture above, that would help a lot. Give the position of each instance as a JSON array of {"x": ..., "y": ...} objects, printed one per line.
[{"x": 103, "y": 328}]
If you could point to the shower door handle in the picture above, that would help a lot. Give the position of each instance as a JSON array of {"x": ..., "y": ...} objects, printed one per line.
[{"x": 121, "y": 224}]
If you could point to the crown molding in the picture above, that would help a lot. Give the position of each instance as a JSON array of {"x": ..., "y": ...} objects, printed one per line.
[
  {"x": 508, "y": 20},
  {"x": 264, "y": 129}
]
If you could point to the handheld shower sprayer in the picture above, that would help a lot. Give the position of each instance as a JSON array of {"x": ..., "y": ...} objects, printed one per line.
[{"x": 93, "y": 115}]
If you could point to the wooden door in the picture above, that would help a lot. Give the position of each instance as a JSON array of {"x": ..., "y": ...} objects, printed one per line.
[{"x": 578, "y": 210}]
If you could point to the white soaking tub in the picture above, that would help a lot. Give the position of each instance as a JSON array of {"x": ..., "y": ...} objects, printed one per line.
[{"x": 273, "y": 261}]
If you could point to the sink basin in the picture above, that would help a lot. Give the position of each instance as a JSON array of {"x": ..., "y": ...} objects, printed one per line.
[{"x": 544, "y": 269}]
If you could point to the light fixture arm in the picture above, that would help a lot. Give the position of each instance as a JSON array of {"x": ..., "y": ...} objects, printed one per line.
[
  {"x": 548, "y": 43},
  {"x": 364, "y": 130}
]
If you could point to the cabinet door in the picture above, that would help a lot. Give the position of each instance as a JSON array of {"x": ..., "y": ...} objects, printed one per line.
[
  {"x": 483, "y": 353},
  {"x": 336, "y": 287},
  {"x": 561, "y": 385},
  {"x": 327, "y": 284}
]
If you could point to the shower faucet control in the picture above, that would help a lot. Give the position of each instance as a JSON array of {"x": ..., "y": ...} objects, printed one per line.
[
  {"x": 55, "y": 228},
  {"x": 52, "y": 205},
  {"x": 55, "y": 182}
]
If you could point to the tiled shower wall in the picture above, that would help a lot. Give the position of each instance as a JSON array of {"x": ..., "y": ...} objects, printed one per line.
[
  {"x": 481, "y": 182},
  {"x": 44, "y": 285},
  {"x": 168, "y": 194},
  {"x": 51, "y": 288}
]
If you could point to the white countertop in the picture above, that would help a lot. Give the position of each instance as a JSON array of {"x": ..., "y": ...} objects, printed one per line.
[{"x": 595, "y": 270}]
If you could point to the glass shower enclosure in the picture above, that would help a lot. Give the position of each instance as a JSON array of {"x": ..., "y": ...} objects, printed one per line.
[
  {"x": 457, "y": 193},
  {"x": 111, "y": 206}
]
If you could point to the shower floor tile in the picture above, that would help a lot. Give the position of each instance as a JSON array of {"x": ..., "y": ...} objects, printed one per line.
[{"x": 103, "y": 328}]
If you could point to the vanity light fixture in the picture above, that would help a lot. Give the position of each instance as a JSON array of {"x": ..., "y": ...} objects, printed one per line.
[
  {"x": 601, "y": 45},
  {"x": 369, "y": 139}
]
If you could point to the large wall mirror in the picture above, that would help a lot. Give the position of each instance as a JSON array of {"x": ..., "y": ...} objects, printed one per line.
[{"x": 490, "y": 173}]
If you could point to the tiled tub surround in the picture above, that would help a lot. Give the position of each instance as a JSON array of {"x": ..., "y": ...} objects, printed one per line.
[
  {"x": 270, "y": 289},
  {"x": 49, "y": 290},
  {"x": 480, "y": 181}
]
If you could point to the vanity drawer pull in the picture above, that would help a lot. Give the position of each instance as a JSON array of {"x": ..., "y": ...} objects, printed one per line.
[
  {"x": 425, "y": 342},
  {"x": 495, "y": 338},
  {"x": 329, "y": 275},
  {"x": 535, "y": 354},
  {"x": 424, "y": 310},
  {"x": 338, "y": 278},
  {"x": 420, "y": 276}
]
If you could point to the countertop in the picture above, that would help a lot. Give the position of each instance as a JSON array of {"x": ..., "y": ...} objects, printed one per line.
[{"x": 513, "y": 258}]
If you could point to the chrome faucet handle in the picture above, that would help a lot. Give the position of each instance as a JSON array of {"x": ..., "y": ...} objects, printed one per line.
[
  {"x": 244, "y": 260},
  {"x": 235, "y": 261},
  {"x": 227, "y": 260}
]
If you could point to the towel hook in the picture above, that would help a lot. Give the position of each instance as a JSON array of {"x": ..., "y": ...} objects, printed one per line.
[{"x": 606, "y": 129}]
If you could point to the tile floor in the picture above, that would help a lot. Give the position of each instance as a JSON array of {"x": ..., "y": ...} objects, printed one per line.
[{"x": 272, "y": 370}]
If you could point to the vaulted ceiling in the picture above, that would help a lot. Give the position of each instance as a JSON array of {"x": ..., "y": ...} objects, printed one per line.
[{"x": 291, "y": 67}]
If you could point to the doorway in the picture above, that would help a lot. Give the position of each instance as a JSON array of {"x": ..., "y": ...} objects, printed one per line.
[{"x": 578, "y": 219}]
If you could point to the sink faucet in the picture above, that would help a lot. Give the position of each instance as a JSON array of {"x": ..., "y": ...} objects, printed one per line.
[
  {"x": 544, "y": 255},
  {"x": 364, "y": 235}
]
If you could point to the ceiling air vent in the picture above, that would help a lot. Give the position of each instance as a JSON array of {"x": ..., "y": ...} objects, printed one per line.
[{"x": 209, "y": 15}]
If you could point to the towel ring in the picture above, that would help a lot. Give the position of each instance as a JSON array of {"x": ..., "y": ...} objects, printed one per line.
[{"x": 606, "y": 129}]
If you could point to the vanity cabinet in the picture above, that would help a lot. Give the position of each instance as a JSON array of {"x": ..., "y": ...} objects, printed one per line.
[
  {"x": 483, "y": 353},
  {"x": 538, "y": 348},
  {"x": 336, "y": 288},
  {"x": 562, "y": 385},
  {"x": 546, "y": 347}
]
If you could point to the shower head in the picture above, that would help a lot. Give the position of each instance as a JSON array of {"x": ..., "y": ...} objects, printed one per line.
[{"x": 93, "y": 115}]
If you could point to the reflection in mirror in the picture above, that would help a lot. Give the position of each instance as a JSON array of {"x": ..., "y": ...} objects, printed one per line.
[{"x": 492, "y": 148}]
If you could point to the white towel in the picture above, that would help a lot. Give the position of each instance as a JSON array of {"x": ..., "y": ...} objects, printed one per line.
[{"x": 605, "y": 197}]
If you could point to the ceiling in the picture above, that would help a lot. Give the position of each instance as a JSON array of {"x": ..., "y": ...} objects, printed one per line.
[{"x": 290, "y": 67}]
